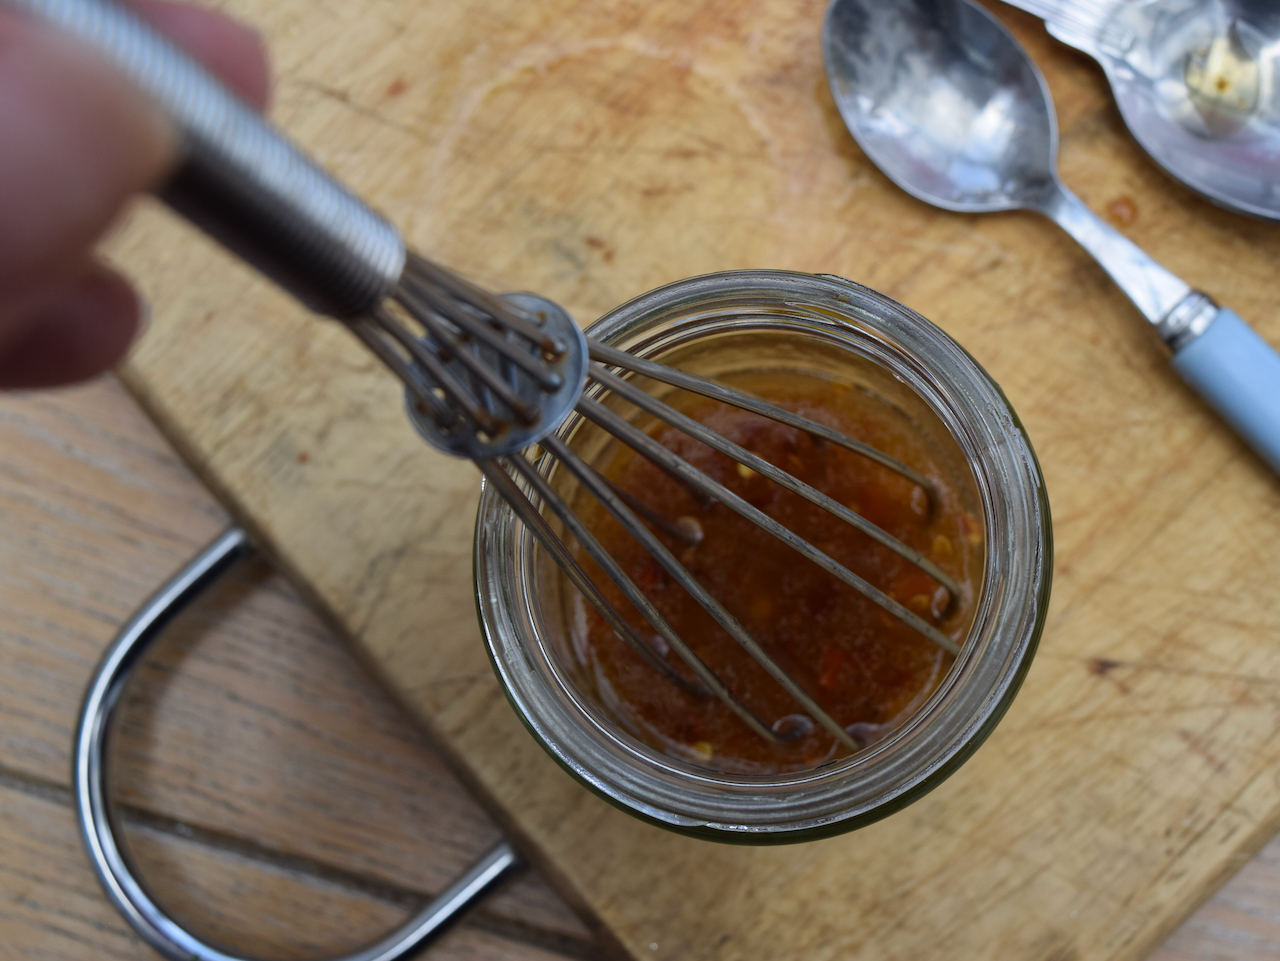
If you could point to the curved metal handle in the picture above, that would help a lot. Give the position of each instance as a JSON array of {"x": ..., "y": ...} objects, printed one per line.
[
  {"x": 242, "y": 181},
  {"x": 97, "y": 821}
]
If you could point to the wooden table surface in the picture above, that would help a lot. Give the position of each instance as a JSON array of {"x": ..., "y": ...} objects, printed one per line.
[
  {"x": 276, "y": 800},
  {"x": 592, "y": 149}
]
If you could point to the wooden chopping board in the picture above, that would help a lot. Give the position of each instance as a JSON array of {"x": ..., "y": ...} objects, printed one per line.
[{"x": 593, "y": 150}]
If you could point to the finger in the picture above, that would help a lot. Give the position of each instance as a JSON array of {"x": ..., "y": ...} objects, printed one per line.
[
  {"x": 232, "y": 51},
  {"x": 77, "y": 141},
  {"x": 83, "y": 334}
]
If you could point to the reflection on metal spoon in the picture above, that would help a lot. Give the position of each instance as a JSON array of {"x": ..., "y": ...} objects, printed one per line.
[
  {"x": 947, "y": 103},
  {"x": 1222, "y": 83},
  {"x": 1197, "y": 82}
]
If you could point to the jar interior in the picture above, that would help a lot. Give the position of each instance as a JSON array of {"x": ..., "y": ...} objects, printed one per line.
[{"x": 762, "y": 353}]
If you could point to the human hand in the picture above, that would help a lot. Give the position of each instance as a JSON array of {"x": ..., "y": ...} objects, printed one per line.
[{"x": 76, "y": 142}]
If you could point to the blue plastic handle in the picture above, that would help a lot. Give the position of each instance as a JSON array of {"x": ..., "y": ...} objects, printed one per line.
[{"x": 1238, "y": 373}]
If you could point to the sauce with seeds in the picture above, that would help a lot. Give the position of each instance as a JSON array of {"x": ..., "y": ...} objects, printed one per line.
[{"x": 868, "y": 669}]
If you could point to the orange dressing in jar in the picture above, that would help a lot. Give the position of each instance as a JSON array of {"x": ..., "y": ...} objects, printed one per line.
[
  {"x": 867, "y": 668},
  {"x": 845, "y": 356}
]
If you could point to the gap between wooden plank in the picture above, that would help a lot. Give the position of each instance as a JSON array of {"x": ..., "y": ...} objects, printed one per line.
[{"x": 392, "y": 895}]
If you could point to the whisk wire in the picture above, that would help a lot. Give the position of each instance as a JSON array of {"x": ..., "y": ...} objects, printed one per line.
[
  {"x": 659, "y": 552},
  {"x": 486, "y": 381},
  {"x": 688, "y": 425},
  {"x": 503, "y": 367},
  {"x": 641, "y": 442},
  {"x": 374, "y": 338},
  {"x": 453, "y": 292},
  {"x": 457, "y": 396},
  {"x": 419, "y": 302},
  {"x": 711, "y": 682},
  {"x": 689, "y": 536},
  {"x": 497, "y": 473},
  {"x": 605, "y": 354},
  {"x": 469, "y": 376}
]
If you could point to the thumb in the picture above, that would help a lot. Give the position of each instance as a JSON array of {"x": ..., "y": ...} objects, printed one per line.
[{"x": 77, "y": 141}]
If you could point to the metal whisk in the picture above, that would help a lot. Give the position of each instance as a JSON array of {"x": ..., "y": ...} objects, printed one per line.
[
  {"x": 485, "y": 376},
  {"x": 503, "y": 473}
]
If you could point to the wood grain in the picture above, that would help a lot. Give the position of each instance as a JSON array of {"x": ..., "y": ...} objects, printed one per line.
[
  {"x": 592, "y": 150},
  {"x": 57, "y": 911},
  {"x": 248, "y": 733},
  {"x": 244, "y": 856}
]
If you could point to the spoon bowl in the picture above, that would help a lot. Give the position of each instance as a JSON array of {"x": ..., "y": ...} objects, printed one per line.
[
  {"x": 942, "y": 102},
  {"x": 947, "y": 103},
  {"x": 1197, "y": 82}
]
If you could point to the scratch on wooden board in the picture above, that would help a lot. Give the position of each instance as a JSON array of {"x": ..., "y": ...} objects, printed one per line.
[
  {"x": 481, "y": 80},
  {"x": 449, "y": 689},
  {"x": 1174, "y": 867},
  {"x": 344, "y": 98},
  {"x": 467, "y": 705},
  {"x": 1055, "y": 946},
  {"x": 1103, "y": 667},
  {"x": 1196, "y": 743},
  {"x": 932, "y": 253},
  {"x": 1166, "y": 711},
  {"x": 380, "y": 580},
  {"x": 1144, "y": 494}
]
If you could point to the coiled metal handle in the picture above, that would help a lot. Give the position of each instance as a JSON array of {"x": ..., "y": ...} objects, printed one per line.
[
  {"x": 241, "y": 181},
  {"x": 97, "y": 823}
]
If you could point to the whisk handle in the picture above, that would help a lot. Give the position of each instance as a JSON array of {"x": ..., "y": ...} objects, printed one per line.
[{"x": 241, "y": 181}]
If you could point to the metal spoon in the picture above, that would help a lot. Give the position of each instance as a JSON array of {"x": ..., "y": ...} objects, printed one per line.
[
  {"x": 947, "y": 103},
  {"x": 1198, "y": 83}
]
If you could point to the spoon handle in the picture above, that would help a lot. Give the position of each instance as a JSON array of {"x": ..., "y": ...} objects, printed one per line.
[
  {"x": 1238, "y": 374},
  {"x": 1088, "y": 25},
  {"x": 1084, "y": 15},
  {"x": 1214, "y": 351},
  {"x": 1154, "y": 290}
]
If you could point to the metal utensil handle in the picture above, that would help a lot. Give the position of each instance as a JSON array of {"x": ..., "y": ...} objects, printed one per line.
[
  {"x": 97, "y": 821},
  {"x": 1238, "y": 373},
  {"x": 241, "y": 181},
  {"x": 1088, "y": 25},
  {"x": 1153, "y": 288}
]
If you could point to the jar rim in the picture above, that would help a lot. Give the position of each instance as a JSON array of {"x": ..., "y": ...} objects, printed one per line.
[{"x": 953, "y": 721}]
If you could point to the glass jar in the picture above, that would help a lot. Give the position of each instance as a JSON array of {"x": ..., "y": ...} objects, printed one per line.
[{"x": 753, "y": 320}]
